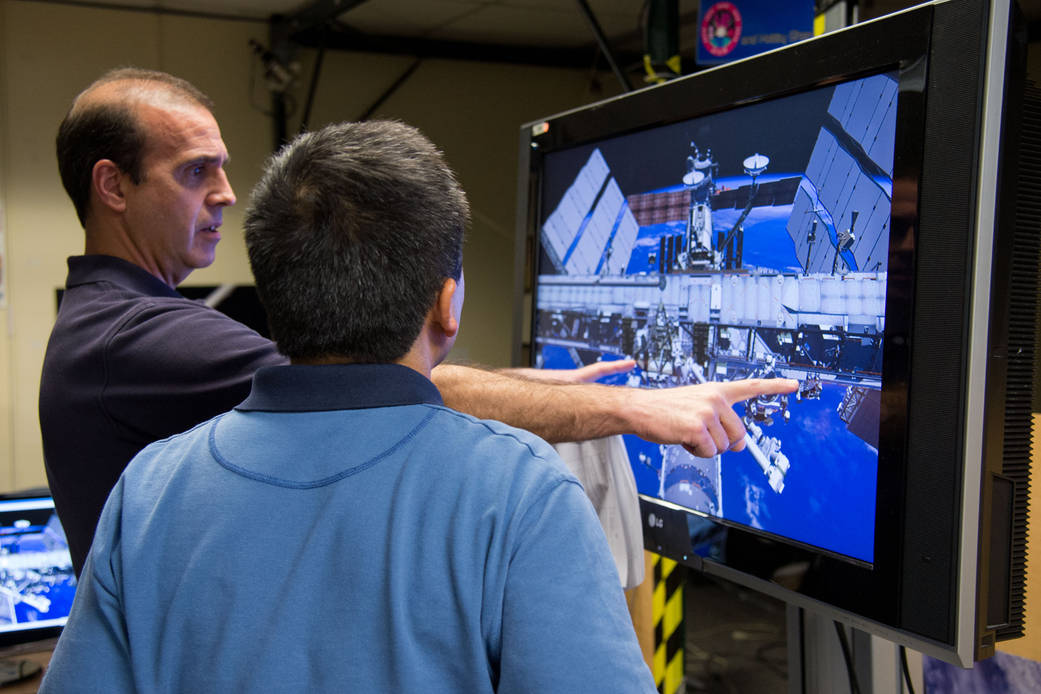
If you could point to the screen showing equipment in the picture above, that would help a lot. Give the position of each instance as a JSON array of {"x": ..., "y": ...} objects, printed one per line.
[
  {"x": 37, "y": 582},
  {"x": 722, "y": 248}
]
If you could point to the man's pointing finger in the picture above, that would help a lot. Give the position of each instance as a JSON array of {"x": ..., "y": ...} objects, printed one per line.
[{"x": 736, "y": 391}]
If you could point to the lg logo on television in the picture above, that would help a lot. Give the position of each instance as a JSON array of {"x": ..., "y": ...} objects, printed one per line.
[{"x": 654, "y": 521}]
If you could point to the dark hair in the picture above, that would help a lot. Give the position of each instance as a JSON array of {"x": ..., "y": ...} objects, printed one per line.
[
  {"x": 351, "y": 233},
  {"x": 108, "y": 129}
]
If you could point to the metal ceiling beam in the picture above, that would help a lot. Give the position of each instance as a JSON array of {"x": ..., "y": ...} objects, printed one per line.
[
  {"x": 346, "y": 39},
  {"x": 316, "y": 15},
  {"x": 317, "y": 26}
]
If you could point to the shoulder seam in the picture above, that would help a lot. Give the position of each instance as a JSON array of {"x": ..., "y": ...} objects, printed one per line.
[
  {"x": 484, "y": 423},
  {"x": 116, "y": 330}
]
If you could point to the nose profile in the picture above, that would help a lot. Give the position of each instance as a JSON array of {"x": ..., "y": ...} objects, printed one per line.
[{"x": 223, "y": 195}]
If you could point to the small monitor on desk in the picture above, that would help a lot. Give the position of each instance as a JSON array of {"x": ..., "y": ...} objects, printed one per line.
[{"x": 37, "y": 582}]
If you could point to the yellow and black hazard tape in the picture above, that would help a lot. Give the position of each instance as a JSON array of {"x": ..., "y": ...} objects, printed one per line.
[{"x": 667, "y": 610}]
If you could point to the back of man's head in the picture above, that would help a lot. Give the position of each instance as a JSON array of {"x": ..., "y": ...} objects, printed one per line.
[
  {"x": 101, "y": 124},
  {"x": 351, "y": 233}
]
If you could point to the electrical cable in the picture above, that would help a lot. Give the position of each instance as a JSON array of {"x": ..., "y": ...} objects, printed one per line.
[
  {"x": 854, "y": 685},
  {"x": 604, "y": 48},
  {"x": 390, "y": 90},
  {"x": 907, "y": 672},
  {"x": 315, "y": 74}
]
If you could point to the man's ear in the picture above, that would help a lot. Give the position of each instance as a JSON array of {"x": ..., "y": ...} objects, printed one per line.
[
  {"x": 107, "y": 182},
  {"x": 444, "y": 309}
]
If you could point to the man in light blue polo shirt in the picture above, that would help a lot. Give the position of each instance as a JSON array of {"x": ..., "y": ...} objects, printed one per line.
[{"x": 341, "y": 529}]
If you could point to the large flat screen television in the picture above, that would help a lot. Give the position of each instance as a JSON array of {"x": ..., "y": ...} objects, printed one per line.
[{"x": 847, "y": 212}]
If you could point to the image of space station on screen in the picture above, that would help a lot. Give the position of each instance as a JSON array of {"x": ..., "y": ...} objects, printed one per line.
[
  {"x": 37, "y": 581},
  {"x": 747, "y": 243}
]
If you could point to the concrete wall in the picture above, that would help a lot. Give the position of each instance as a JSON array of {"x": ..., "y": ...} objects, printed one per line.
[{"x": 49, "y": 52}]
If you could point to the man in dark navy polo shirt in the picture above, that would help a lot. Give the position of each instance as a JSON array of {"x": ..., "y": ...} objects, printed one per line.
[{"x": 131, "y": 361}]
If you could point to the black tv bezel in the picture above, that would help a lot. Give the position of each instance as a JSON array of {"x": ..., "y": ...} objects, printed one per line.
[{"x": 915, "y": 592}]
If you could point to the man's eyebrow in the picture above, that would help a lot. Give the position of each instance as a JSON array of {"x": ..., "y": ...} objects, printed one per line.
[{"x": 206, "y": 159}]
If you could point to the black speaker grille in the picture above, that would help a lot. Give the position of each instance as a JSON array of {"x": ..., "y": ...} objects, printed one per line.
[{"x": 1023, "y": 322}]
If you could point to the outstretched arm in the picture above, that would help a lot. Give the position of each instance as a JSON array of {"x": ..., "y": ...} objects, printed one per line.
[
  {"x": 583, "y": 374},
  {"x": 699, "y": 417}
]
